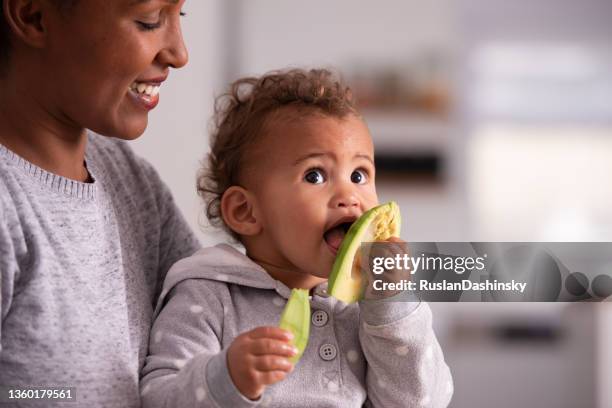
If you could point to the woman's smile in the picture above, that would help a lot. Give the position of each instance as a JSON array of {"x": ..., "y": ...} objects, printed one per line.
[{"x": 146, "y": 93}]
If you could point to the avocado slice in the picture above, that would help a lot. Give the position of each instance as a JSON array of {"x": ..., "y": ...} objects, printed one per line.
[
  {"x": 377, "y": 224},
  {"x": 296, "y": 319}
]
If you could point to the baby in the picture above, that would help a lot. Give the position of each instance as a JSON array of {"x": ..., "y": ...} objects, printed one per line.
[{"x": 291, "y": 160}]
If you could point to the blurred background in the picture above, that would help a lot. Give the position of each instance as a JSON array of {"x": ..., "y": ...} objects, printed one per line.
[{"x": 492, "y": 121}]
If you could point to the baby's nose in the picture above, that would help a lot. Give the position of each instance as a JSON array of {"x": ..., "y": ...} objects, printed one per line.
[{"x": 345, "y": 200}]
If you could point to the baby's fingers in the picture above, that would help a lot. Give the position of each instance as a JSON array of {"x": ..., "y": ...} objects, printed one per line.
[
  {"x": 396, "y": 245},
  {"x": 270, "y": 332},
  {"x": 272, "y": 363},
  {"x": 262, "y": 347},
  {"x": 271, "y": 377}
]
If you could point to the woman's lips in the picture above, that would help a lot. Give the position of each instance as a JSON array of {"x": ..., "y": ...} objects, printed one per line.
[{"x": 145, "y": 94}]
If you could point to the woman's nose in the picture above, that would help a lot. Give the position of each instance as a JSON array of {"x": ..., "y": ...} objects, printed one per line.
[{"x": 175, "y": 53}]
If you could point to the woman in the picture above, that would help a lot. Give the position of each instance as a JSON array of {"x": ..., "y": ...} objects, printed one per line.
[{"x": 87, "y": 230}]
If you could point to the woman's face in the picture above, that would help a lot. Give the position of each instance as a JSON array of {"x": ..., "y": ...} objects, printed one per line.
[{"x": 107, "y": 60}]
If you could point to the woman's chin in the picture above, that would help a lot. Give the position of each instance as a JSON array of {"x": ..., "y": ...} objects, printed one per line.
[{"x": 128, "y": 131}]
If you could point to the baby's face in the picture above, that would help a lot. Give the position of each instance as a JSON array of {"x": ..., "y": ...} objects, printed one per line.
[{"x": 312, "y": 177}]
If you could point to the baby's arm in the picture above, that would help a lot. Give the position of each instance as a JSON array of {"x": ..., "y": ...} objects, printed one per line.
[
  {"x": 406, "y": 366},
  {"x": 186, "y": 365}
]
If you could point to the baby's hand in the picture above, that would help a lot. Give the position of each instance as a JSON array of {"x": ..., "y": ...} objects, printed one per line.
[
  {"x": 392, "y": 247},
  {"x": 258, "y": 358}
]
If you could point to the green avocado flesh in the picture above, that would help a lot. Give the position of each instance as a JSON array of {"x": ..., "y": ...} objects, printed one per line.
[
  {"x": 377, "y": 224},
  {"x": 296, "y": 319}
]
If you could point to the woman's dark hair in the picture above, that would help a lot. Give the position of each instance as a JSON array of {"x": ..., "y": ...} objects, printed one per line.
[
  {"x": 4, "y": 39},
  {"x": 241, "y": 114}
]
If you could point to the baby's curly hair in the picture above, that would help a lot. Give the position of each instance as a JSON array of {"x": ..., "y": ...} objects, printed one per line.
[{"x": 241, "y": 113}]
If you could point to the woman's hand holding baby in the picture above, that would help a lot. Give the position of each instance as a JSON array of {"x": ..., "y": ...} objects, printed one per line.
[{"x": 258, "y": 358}]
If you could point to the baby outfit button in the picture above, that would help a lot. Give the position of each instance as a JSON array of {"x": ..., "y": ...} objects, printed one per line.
[
  {"x": 320, "y": 318},
  {"x": 328, "y": 352},
  {"x": 321, "y": 290}
]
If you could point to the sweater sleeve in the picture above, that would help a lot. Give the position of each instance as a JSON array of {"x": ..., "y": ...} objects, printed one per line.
[
  {"x": 405, "y": 364},
  {"x": 6, "y": 266},
  {"x": 177, "y": 239},
  {"x": 11, "y": 250},
  {"x": 186, "y": 366}
]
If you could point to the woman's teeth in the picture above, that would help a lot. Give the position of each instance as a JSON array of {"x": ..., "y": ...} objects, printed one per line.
[{"x": 145, "y": 89}]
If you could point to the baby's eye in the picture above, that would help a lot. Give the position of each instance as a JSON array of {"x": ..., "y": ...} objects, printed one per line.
[
  {"x": 359, "y": 177},
  {"x": 314, "y": 176}
]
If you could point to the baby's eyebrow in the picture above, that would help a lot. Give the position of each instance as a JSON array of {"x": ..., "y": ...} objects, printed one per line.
[
  {"x": 364, "y": 156},
  {"x": 310, "y": 156},
  {"x": 321, "y": 154}
]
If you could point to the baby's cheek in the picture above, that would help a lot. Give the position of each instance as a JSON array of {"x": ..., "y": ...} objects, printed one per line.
[{"x": 371, "y": 197}]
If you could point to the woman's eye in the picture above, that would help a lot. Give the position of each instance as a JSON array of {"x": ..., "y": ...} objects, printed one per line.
[
  {"x": 148, "y": 26},
  {"x": 314, "y": 176},
  {"x": 359, "y": 177}
]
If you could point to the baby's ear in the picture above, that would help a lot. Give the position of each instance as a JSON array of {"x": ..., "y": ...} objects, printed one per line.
[{"x": 237, "y": 210}]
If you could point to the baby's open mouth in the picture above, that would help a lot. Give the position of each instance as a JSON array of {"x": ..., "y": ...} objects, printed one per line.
[{"x": 335, "y": 235}]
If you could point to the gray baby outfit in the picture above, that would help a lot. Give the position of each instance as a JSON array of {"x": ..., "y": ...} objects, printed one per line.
[{"x": 379, "y": 354}]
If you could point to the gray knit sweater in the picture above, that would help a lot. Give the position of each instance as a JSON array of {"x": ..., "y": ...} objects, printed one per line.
[
  {"x": 80, "y": 268},
  {"x": 381, "y": 354}
]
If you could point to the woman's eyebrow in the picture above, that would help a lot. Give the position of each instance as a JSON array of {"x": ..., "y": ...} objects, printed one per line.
[{"x": 133, "y": 2}]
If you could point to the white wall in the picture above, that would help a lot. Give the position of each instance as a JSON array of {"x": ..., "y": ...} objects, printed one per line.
[{"x": 340, "y": 32}]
